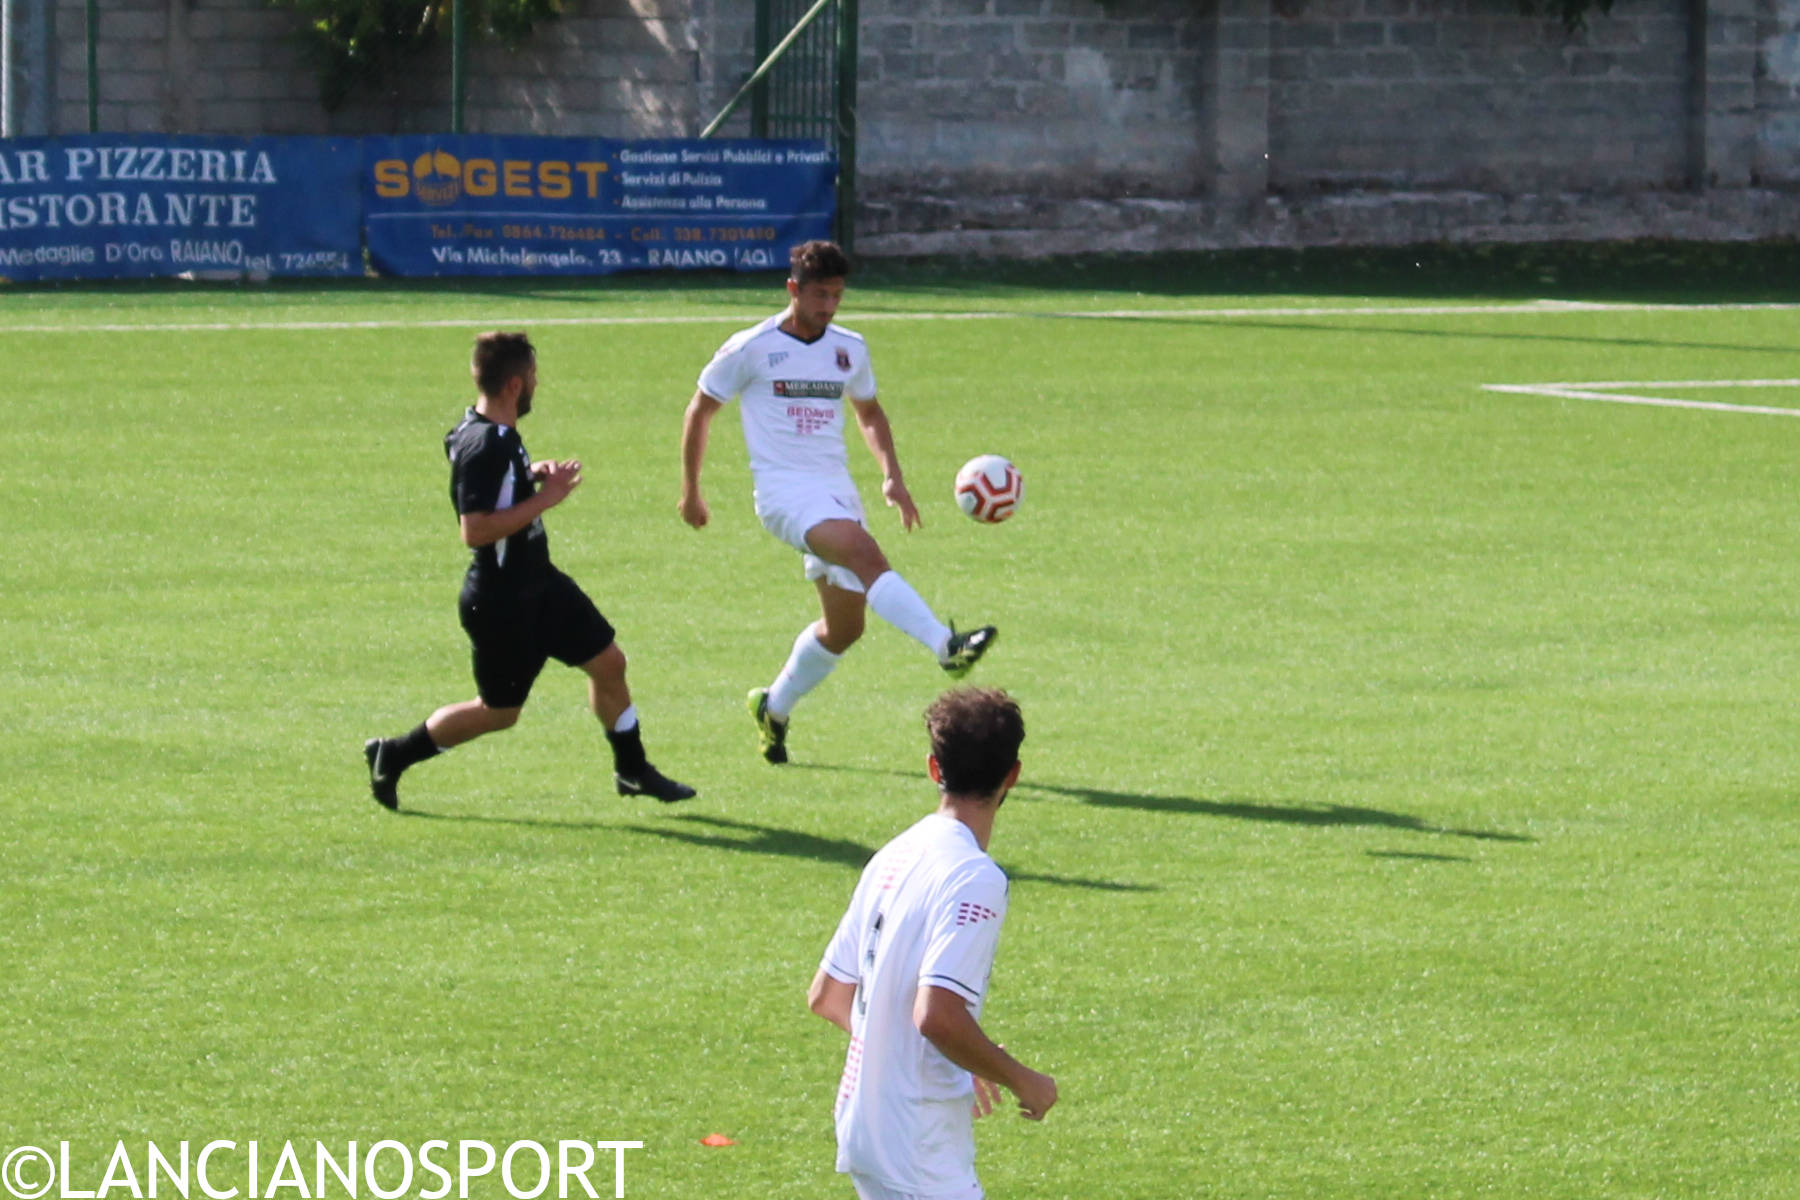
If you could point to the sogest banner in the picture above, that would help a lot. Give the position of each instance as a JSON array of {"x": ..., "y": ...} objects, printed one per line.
[
  {"x": 493, "y": 205},
  {"x": 132, "y": 205}
]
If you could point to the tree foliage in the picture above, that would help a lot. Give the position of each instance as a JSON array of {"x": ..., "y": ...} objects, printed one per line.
[{"x": 367, "y": 42}]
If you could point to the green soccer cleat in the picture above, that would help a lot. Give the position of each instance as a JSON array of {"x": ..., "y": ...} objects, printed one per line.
[
  {"x": 966, "y": 649},
  {"x": 772, "y": 733}
]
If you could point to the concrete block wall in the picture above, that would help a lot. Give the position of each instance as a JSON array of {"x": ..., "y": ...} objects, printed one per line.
[
  {"x": 607, "y": 68},
  {"x": 725, "y": 32},
  {"x": 1724, "y": 52},
  {"x": 1202, "y": 122},
  {"x": 185, "y": 66},
  {"x": 1471, "y": 94},
  {"x": 1777, "y": 138},
  {"x": 1068, "y": 97}
]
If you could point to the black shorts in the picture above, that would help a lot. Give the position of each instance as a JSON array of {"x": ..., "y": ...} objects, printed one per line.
[{"x": 512, "y": 633}]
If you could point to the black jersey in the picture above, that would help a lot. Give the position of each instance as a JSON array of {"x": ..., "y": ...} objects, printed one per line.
[{"x": 489, "y": 471}]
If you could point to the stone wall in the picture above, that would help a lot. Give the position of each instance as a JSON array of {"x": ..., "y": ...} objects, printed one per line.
[
  {"x": 1016, "y": 126},
  {"x": 1470, "y": 94},
  {"x": 1017, "y": 93},
  {"x": 607, "y": 68},
  {"x": 185, "y": 66},
  {"x": 1778, "y": 94}
]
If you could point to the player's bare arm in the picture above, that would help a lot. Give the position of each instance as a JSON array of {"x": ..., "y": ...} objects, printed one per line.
[
  {"x": 557, "y": 480},
  {"x": 879, "y": 435},
  {"x": 694, "y": 426},
  {"x": 944, "y": 1019},
  {"x": 831, "y": 998}
]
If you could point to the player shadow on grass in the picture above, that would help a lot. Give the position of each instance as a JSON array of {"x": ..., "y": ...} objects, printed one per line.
[
  {"x": 1290, "y": 814},
  {"x": 791, "y": 843},
  {"x": 1242, "y": 810},
  {"x": 768, "y": 839},
  {"x": 1415, "y": 856},
  {"x": 484, "y": 819}
]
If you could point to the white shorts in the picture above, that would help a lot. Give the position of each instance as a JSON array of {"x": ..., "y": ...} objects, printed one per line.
[
  {"x": 789, "y": 510},
  {"x": 868, "y": 1189}
]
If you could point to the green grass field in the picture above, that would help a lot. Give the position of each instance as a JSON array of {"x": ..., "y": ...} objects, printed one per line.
[{"x": 1410, "y": 788}]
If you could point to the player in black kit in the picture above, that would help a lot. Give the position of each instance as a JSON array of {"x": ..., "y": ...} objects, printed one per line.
[{"x": 516, "y": 607}]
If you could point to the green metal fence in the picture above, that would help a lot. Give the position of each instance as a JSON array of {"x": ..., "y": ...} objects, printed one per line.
[{"x": 805, "y": 86}]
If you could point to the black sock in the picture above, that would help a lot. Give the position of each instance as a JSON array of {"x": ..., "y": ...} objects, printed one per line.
[
  {"x": 628, "y": 751},
  {"x": 414, "y": 747}
]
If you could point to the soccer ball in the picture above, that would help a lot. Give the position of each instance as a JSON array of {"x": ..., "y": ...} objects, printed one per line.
[{"x": 989, "y": 488}]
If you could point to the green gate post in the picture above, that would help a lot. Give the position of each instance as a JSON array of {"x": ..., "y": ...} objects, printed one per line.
[
  {"x": 814, "y": 97},
  {"x": 458, "y": 62},
  {"x": 846, "y": 123},
  {"x": 93, "y": 65},
  {"x": 759, "y": 99}
]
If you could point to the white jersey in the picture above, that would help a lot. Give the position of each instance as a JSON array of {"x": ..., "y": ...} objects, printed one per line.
[
  {"x": 791, "y": 395},
  {"x": 927, "y": 911}
]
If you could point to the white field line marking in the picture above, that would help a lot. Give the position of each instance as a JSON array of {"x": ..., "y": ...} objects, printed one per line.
[
  {"x": 1587, "y": 391},
  {"x": 1527, "y": 308}
]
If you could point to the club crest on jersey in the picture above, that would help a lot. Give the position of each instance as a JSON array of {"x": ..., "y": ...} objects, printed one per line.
[
  {"x": 777, "y": 358},
  {"x": 843, "y": 359}
]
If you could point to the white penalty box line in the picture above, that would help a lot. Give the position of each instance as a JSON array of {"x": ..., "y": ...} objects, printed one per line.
[
  {"x": 1615, "y": 392},
  {"x": 1525, "y": 308}
]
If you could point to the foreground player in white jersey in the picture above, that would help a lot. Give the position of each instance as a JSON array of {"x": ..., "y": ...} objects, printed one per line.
[
  {"x": 791, "y": 375},
  {"x": 907, "y": 971}
]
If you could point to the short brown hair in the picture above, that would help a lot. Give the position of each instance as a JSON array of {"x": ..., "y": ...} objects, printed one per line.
[
  {"x": 497, "y": 358},
  {"x": 975, "y": 737},
  {"x": 812, "y": 261}
]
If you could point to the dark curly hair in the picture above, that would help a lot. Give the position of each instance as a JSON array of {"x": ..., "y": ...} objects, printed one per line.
[
  {"x": 975, "y": 737},
  {"x": 812, "y": 261},
  {"x": 497, "y": 358}
]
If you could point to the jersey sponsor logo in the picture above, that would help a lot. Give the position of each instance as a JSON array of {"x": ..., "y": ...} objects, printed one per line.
[
  {"x": 813, "y": 389},
  {"x": 974, "y": 914},
  {"x": 808, "y": 419},
  {"x": 843, "y": 359}
]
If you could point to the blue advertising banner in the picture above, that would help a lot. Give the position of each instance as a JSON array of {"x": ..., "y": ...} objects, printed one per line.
[
  {"x": 133, "y": 205},
  {"x": 493, "y": 205}
]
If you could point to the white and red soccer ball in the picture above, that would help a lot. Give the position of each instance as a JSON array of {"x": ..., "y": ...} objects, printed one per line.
[{"x": 989, "y": 488}]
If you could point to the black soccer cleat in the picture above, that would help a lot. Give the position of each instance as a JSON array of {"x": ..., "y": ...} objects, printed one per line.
[
  {"x": 383, "y": 786},
  {"x": 772, "y": 733},
  {"x": 653, "y": 783},
  {"x": 966, "y": 649}
]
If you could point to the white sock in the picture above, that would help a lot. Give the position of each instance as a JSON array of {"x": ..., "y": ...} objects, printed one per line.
[
  {"x": 626, "y": 720},
  {"x": 806, "y": 669},
  {"x": 895, "y": 602}
]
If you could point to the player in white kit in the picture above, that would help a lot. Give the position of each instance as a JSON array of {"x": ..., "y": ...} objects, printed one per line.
[
  {"x": 907, "y": 971},
  {"x": 792, "y": 376}
]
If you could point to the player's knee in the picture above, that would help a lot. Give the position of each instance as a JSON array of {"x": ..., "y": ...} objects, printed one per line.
[
  {"x": 869, "y": 564},
  {"x": 609, "y": 664},
  {"x": 842, "y": 633},
  {"x": 502, "y": 718},
  {"x": 874, "y": 559}
]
